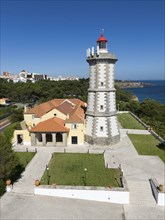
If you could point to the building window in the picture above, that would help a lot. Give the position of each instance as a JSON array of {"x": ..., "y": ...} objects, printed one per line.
[
  {"x": 55, "y": 114},
  {"x": 102, "y": 83},
  {"x": 101, "y": 128},
  {"x": 74, "y": 126},
  {"x": 101, "y": 107}
]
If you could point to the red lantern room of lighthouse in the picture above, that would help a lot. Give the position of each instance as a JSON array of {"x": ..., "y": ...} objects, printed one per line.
[{"x": 102, "y": 44}]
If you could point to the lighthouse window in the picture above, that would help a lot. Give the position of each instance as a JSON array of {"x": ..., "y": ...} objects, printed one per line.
[
  {"x": 102, "y": 45},
  {"x": 101, "y": 107},
  {"x": 101, "y": 128}
]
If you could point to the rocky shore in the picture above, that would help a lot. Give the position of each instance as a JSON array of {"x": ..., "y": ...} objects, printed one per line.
[{"x": 130, "y": 84}]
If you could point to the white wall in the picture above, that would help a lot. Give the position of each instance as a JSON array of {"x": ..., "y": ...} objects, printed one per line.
[
  {"x": 159, "y": 196},
  {"x": 119, "y": 197},
  {"x": 89, "y": 125},
  {"x": 101, "y": 100},
  {"x": 101, "y": 74},
  {"x": 91, "y": 101},
  {"x": 92, "y": 76},
  {"x": 101, "y": 122},
  {"x": 161, "y": 199},
  {"x": 112, "y": 102},
  {"x": 111, "y": 75},
  {"x": 114, "y": 126}
]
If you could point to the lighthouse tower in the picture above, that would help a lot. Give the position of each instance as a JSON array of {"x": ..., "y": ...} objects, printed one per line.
[{"x": 101, "y": 115}]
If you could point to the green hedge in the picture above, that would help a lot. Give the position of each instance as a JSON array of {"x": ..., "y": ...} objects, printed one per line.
[{"x": 2, "y": 187}]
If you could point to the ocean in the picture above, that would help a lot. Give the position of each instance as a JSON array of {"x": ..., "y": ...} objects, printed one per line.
[{"x": 155, "y": 91}]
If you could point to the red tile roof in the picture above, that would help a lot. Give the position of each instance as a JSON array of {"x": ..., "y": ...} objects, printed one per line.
[
  {"x": 51, "y": 125},
  {"x": 66, "y": 107},
  {"x": 71, "y": 107},
  {"x": 102, "y": 38}
]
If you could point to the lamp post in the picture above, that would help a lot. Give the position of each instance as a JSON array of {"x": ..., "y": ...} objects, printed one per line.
[
  {"x": 47, "y": 170},
  {"x": 85, "y": 177}
]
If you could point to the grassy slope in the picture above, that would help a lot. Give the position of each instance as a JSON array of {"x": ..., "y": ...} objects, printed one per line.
[
  {"x": 148, "y": 145},
  {"x": 25, "y": 157},
  {"x": 68, "y": 169},
  {"x": 128, "y": 121}
]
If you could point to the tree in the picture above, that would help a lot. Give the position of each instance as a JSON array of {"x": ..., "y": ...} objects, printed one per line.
[
  {"x": 8, "y": 159},
  {"x": 17, "y": 115}
]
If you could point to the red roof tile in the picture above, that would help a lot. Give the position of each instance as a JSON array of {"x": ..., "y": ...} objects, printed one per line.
[
  {"x": 51, "y": 125},
  {"x": 71, "y": 107},
  {"x": 102, "y": 38}
]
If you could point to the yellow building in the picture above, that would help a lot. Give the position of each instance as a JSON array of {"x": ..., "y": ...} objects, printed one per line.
[
  {"x": 58, "y": 122},
  {"x": 5, "y": 101}
]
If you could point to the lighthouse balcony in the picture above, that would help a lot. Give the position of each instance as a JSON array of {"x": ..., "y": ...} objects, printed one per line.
[
  {"x": 101, "y": 114},
  {"x": 101, "y": 90},
  {"x": 102, "y": 56}
]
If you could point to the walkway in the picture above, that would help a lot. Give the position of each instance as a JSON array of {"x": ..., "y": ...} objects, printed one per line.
[
  {"x": 135, "y": 131},
  {"x": 137, "y": 171},
  {"x": 33, "y": 171}
]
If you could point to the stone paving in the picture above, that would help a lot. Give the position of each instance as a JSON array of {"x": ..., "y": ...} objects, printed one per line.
[{"x": 137, "y": 170}]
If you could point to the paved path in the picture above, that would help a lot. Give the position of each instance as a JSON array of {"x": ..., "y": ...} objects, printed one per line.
[
  {"x": 137, "y": 171},
  {"x": 135, "y": 131},
  {"x": 33, "y": 171}
]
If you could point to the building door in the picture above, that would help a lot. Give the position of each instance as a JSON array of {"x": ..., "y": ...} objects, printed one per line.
[
  {"x": 19, "y": 139},
  {"x": 74, "y": 140}
]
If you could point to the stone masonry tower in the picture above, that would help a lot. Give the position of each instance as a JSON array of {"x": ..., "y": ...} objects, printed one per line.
[{"x": 101, "y": 115}]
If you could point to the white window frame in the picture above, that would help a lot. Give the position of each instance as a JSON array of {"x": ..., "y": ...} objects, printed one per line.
[{"x": 74, "y": 126}]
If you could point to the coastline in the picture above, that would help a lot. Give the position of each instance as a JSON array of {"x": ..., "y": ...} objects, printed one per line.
[
  {"x": 151, "y": 89},
  {"x": 125, "y": 84}
]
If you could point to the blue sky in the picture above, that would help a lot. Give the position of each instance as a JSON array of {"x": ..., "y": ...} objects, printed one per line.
[{"x": 51, "y": 37}]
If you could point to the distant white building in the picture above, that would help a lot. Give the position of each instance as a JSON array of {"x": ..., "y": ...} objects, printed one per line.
[
  {"x": 63, "y": 78},
  {"x": 24, "y": 76}
]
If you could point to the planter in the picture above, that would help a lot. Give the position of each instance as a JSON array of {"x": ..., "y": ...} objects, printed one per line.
[
  {"x": 8, "y": 182},
  {"x": 161, "y": 188},
  {"x": 54, "y": 185},
  {"x": 37, "y": 182}
]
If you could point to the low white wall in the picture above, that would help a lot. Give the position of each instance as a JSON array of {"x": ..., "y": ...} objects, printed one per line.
[
  {"x": 120, "y": 197},
  {"x": 159, "y": 196},
  {"x": 161, "y": 199}
]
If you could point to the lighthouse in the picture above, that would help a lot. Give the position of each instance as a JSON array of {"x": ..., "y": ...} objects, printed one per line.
[{"x": 101, "y": 126}]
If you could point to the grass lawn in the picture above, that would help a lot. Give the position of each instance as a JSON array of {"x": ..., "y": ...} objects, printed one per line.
[
  {"x": 24, "y": 157},
  {"x": 148, "y": 145},
  {"x": 68, "y": 169},
  {"x": 128, "y": 121}
]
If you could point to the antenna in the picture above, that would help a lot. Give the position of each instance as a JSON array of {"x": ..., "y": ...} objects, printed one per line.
[
  {"x": 102, "y": 31},
  {"x": 97, "y": 51},
  {"x": 92, "y": 51},
  {"x": 88, "y": 52}
]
